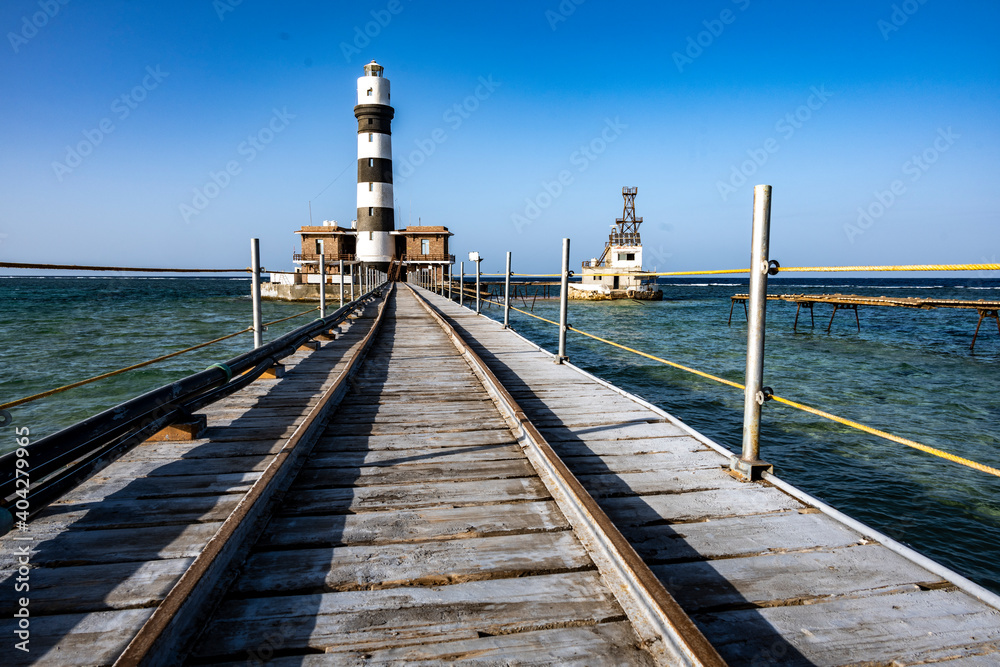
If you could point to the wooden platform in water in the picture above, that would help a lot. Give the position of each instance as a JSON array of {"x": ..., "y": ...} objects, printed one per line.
[
  {"x": 417, "y": 531},
  {"x": 768, "y": 578}
]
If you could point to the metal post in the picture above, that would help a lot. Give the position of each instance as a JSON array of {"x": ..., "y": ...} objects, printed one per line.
[
  {"x": 352, "y": 281},
  {"x": 258, "y": 321},
  {"x": 322, "y": 281},
  {"x": 478, "y": 304},
  {"x": 563, "y": 303},
  {"x": 749, "y": 466},
  {"x": 341, "y": 283},
  {"x": 506, "y": 295},
  {"x": 451, "y": 278},
  {"x": 461, "y": 283}
]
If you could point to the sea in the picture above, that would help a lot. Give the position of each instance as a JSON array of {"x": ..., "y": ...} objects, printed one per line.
[{"x": 909, "y": 372}]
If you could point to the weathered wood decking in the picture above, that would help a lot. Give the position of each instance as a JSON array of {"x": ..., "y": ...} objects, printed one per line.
[
  {"x": 418, "y": 532},
  {"x": 105, "y": 555},
  {"x": 768, "y": 579}
]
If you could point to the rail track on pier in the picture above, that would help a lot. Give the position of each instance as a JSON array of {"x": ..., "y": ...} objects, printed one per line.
[{"x": 385, "y": 501}]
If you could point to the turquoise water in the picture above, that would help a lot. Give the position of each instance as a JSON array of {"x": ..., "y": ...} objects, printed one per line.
[
  {"x": 908, "y": 372},
  {"x": 54, "y": 331}
]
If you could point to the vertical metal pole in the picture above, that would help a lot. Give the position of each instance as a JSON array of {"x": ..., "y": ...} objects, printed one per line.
[
  {"x": 748, "y": 465},
  {"x": 478, "y": 305},
  {"x": 341, "y": 283},
  {"x": 322, "y": 281},
  {"x": 506, "y": 295},
  {"x": 461, "y": 284},
  {"x": 451, "y": 279},
  {"x": 563, "y": 303},
  {"x": 352, "y": 282},
  {"x": 258, "y": 321}
]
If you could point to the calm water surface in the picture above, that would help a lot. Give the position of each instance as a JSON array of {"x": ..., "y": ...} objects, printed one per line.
[{"x": 909, "y": 372}]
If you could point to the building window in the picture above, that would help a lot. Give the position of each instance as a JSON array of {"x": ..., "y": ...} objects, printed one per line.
[
  {"x": 371, "y": 121},
  {"x": 369, "y": 92},
  {"x": 371, "y": 210},
  {"x": 425, "y": 247},
  {"x": 371, "y": 162},
  {"x": 371, "y": 137},
  {"x": 319, "y": 247},
  {"x": 630, "y": 257},
  {"x": 371, "y": 187},
  {"x": 371, "y": 236}
]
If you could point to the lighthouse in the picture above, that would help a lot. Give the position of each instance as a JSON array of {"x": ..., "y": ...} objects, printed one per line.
[{"x": 376, "y": 219}]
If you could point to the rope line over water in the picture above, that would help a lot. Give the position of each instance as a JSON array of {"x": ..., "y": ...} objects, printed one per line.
[
  {"x": 783, "y": 269},
  {"x": 794, "y": 404},
  {"x": 57, "y": 390},
  {"x": 141, "y": 364},
  {"x": 74, "y": 267}
]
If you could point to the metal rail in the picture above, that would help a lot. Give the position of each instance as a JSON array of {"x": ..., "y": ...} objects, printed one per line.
[
  {"x": 656, "y": 616},
  {"x": 167, "y": 632}
]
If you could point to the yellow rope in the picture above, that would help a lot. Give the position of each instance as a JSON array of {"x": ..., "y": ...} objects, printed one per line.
[
  {"x": 899, "y": 267},
  {"x": 650, "y": 274},
  {"x": 533, "y": 315},
  {"x": 292, "y": 317},
  {"x": 50, "y": 392},
  {"x": 74, "y": 385},
  {"x": 888, "y": 436},
  {"x": 805, "y": 408},
  {"x": 736, "y": 385}
]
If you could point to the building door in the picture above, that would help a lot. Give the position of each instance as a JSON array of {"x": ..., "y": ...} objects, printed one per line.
[{"x": 616, "y": 282}]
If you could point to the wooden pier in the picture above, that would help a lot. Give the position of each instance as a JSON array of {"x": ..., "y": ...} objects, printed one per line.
[{"x": 430, "y": 488}]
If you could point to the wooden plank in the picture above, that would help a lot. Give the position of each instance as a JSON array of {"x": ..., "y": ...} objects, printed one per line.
[
  {"x": 95, "y": 547},
  {"x": 89, "y": 588},
  {"x": 130, "y": 512},
  {"x": 420, "y": 564},
  {"x": 66, "y": 640},
  {"x": 110, "y": 483},
  {"x": 905, "y": 628},
  {"x": 697, "y": 505},
  {"x": 791, "y": 578},
  {"x": 640, "y": 429},
  {"x": 739, "y": 536},
  {"x": 486, "y": 424},
  {"x": 371, "y": 620},
  {"x": 331, "y": 442},
  {"x": 603, "y": 645},
  {"x": 414, "y": 473},
  {"x": 354, "y": 459},
  {"x": 648, "y": 483},
  {"x": 427, "y": 494},
  {"x": 413, "y": 525}
]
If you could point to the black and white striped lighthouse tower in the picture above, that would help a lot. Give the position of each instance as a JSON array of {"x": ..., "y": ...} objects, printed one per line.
[{"x": 375, "y": 209}]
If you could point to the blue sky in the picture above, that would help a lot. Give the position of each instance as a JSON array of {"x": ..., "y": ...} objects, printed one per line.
[{"x": 875, "y": 122}]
